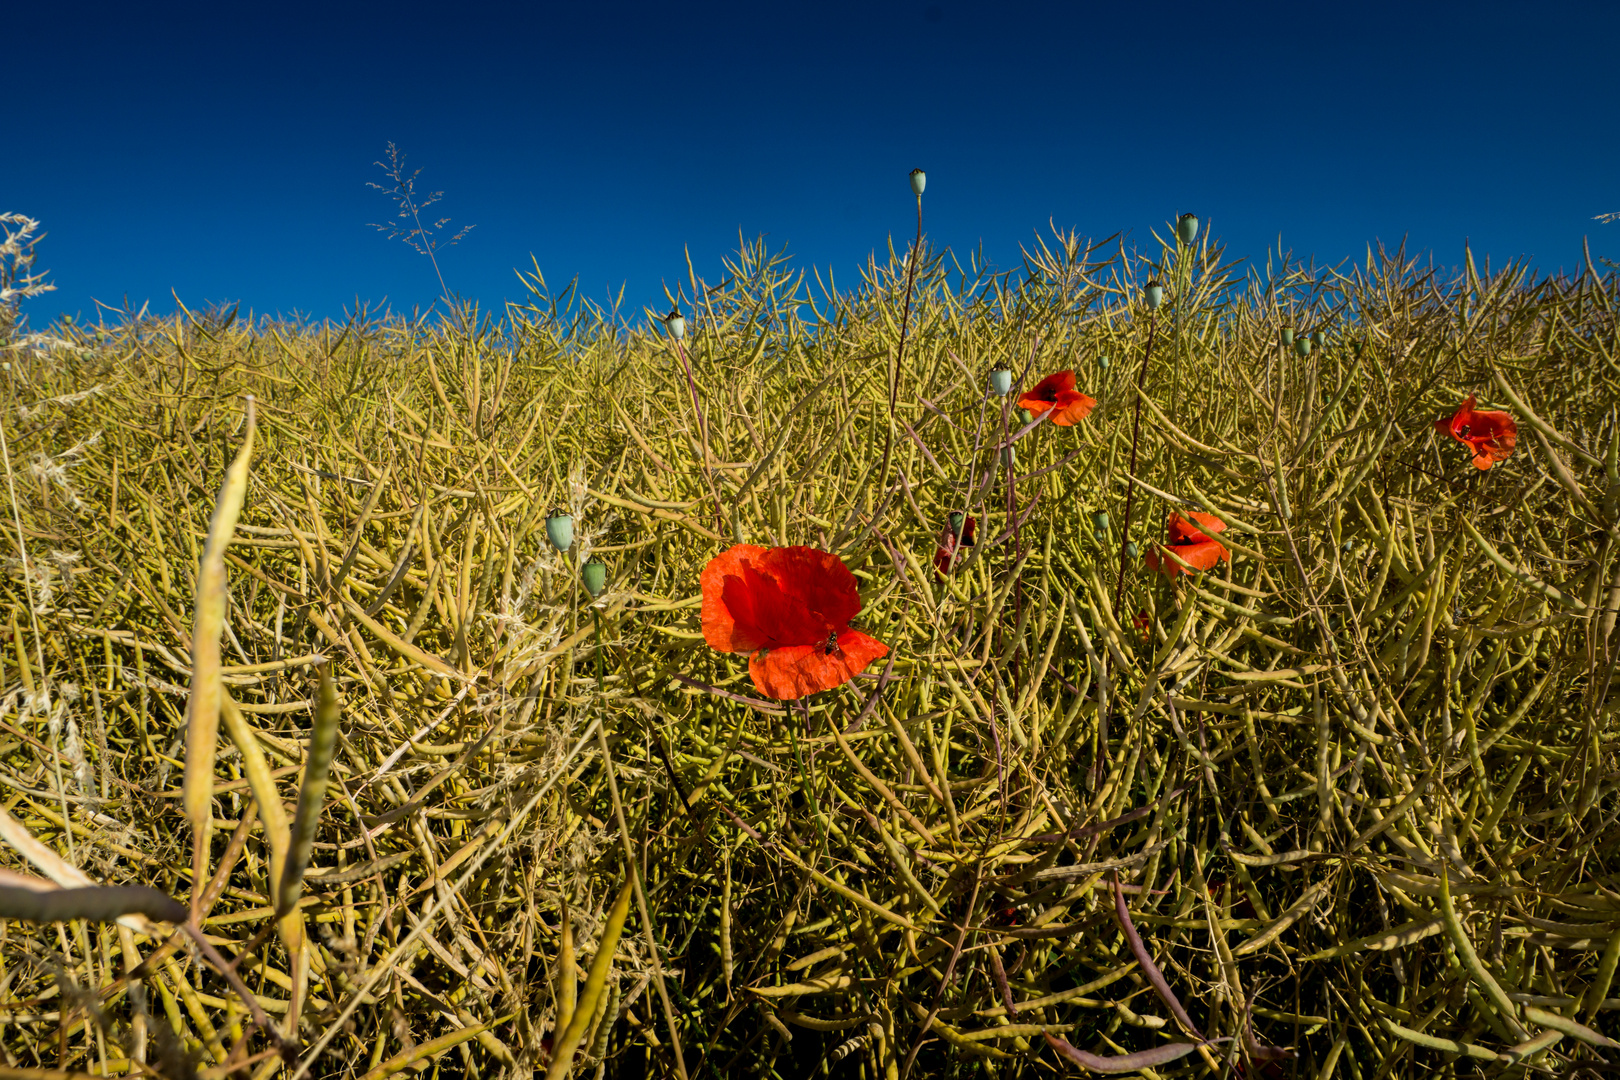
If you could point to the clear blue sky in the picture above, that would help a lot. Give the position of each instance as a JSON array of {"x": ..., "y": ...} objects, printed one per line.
[{"x": 222, "y": 150}]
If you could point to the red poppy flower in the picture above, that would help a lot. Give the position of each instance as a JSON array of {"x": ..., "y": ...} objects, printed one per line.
[
  {"x": 1190, "y": 543},
  {"x": 790, "y": 608},
  {"x": 1057, "y": 393},
  {"x": 1490, "y": 435}
]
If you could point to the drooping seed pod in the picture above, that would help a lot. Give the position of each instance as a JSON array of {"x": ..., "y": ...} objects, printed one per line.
[
  {"x": 919, "y": 180},
  {"x": 594, "y": 576},
  {"x": 1102, "y": 362},
  {"x": 675, "y": 323},
  {"x": 1287, "y": 336},
  {"x": 1187, "y": 228},
  {"x": 560, "y": 530},
  {"x": 1130, "y": 549},
  {"x": 1153, "y": 293},
  {"x": 1303, "y": 346},
  {"x": 1099, "y": 521},
  {"x": 1001, "y": 382}
]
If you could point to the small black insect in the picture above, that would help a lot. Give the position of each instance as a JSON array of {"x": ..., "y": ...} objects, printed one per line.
[{"x": 831, "y": 648}]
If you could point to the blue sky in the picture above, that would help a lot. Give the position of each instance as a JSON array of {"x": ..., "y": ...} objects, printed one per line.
[{"x": 222, "y": 151}]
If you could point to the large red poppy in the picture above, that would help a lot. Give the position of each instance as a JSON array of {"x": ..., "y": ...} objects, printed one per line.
[
  {"x": 1491, "y": 436},
  {"x": 790, "y": 608},
  {"x": 1191, "y": 542},
  {"x": 1057, "y": 393}
]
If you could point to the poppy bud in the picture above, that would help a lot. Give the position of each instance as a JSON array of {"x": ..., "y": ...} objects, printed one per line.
[
  {"x": 919, "y": 180},
  {"x": 1303, "y": 346},
  {"x": 1102, "y": 362},
  {"x": 1101, "y": 535},
  {"x": 1287, "y": 335},
  {"x": 1029, "y": 417},
  {"x": 1318, "y": 338},
  {"x": 1001, "y": 382},
  {"x": 560, "y": 530},
  {"x": 1187, "y": 228},
  {"x": 594, "y": 575},
  {"x": 1153, "y": 293},
  {"x": 1008, "y": 458},
  {"x": 1130, "y": 549},
  {"x": 675, "y": 322},
  {"x": 1100, "y": 521}
]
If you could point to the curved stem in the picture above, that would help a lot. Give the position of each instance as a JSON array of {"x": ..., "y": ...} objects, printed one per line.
[{"x": 1130, "y": 490}]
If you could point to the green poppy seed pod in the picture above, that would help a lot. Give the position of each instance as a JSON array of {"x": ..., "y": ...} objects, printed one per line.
[
  {"x": 1029, "y": 417},
  {"x": 956, "y": 522},
  {"x": 1349, "y": 545},
  {"x": 1187, "y": 228},
  {"x": 1101, "y": 535},
  {"x": 1318, "y": 338},
  {"x": 1001, "y": 382},
  {"x": 1008, "y": 458},
  {"x": 594, "y": 576},
  {"x": 675, "y": 322},
  {"x": 1102, "y": 362},
  {"x": 919, "y": 180},
  {"x": 1153, "y": 293},
  {"x": 1287, "y": 335},
  {"x": 1130, "y": 549},
  {"x": 1303, "y": 346},
  {"x": 1099, "y": 520},
  {"x": 560, "y": 530}
]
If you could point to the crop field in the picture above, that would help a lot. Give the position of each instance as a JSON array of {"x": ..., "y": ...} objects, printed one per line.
[{"x": 368, "y": 709}]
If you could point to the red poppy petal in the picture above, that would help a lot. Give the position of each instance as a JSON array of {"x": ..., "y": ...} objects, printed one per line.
[
  {"x": 731, "y": 618},
  {"x": 817, "y": 593},
  {"x": 1199, "y": 556},
  {"x": 1042, "y": 396},
  {"x": 1194, "y": 528},
  {"x": 1072, "y": 408},
  {"x": 798, "y": 670}
]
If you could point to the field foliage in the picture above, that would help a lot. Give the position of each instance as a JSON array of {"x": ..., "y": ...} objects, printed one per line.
[{"x": 1358, "y": 784}]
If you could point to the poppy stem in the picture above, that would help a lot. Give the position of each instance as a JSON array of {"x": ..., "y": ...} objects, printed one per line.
[
  {"x": 1130, "y": 489},
  {"x": 703, "y": 432},
  {"x": 900, "y": 352}
]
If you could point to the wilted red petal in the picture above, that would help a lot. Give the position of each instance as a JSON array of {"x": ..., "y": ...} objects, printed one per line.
[
  {"x": 1071, "y": 407},
  {"x": 1489, "y": 435},
  {"x": 1201, "y": 527},
  {"x": 797, "y": 670},
  {"x": 1046, "y": 393},
  {"x": 943, "y": 563}
]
